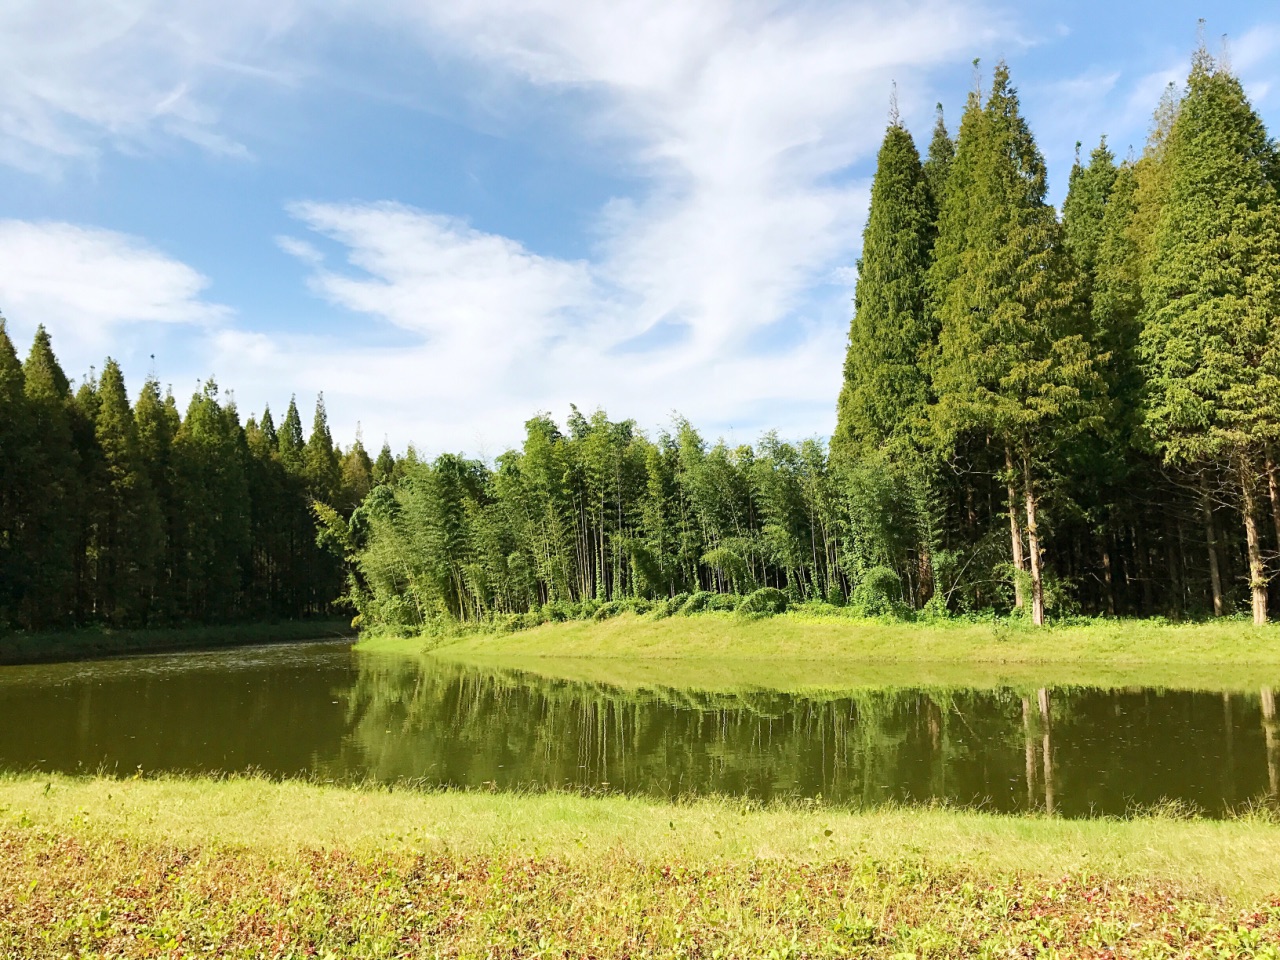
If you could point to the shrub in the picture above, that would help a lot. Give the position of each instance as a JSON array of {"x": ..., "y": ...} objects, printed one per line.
[
  {"x": 607, "y": 610},
  {"x": 697, "y": 602},
  {"x": 878, "y": 591},
  {"x": 676, "y": 603},
  {"x": 766, "y": 601},
  {"x": 724, "y": 601}
]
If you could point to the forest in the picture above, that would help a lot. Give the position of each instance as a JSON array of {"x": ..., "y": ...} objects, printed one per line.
[
  {"x": 1043, "y": 415},
  {"x": 137, "y": 515}
]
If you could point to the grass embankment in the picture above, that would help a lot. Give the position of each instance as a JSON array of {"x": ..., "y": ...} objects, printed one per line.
[
  {"x": 724, "y": 651},
  {"x": 91, "y": 643},
  {"x": 249, "y": 868}
]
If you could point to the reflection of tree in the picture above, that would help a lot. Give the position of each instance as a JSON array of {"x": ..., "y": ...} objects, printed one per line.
[
  {"x": 1067, "y": 751},
  {"x": 1272, "y": 741}
]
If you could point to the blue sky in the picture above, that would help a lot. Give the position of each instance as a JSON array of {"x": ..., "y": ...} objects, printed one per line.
[{"x": 451, "y": 215}]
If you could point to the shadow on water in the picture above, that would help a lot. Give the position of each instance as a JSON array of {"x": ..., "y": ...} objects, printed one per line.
[{"x": 329, "y": 712}]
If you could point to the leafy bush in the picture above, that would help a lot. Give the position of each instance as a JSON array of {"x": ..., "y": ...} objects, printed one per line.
[
  {"x": 724, "y": 601},
  {"x": 607, "y": 611},
  {"x": 676, "y": 603},
  {"x": 878, "y": 591},
  {"x": 766, "y": 601},
  {"x": 697, "y": 602}
]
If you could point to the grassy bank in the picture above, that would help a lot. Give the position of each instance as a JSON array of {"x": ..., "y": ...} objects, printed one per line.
[
  {"x": 723, "y": 651},
  {"x": 91, "y": 643},
  {"x": 252, "y": 868}
]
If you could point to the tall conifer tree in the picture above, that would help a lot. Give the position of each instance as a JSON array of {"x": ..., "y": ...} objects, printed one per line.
[
  {"x": 50, "y": 538},
  {"x": 885, "y": 388},
  {"x": 18, "y": 479},
  {"x": 128, "y": 535},
  {"x": 1012, "y": 363},
  {"x": 1211, "y": 296},
  {"x": 937, "y": 168}
]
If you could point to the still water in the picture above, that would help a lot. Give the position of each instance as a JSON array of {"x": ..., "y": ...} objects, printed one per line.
[{"x": 324, "y": 710}]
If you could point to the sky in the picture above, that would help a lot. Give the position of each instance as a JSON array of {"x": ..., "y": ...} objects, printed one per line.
[{"x": 451, "y": 216}]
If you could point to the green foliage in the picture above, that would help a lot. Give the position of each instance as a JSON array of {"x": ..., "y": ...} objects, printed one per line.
[
  {"x": 885, "y": 388},
  {"x": 766, "y": 601},
  {"x": 878, "y": 592}
]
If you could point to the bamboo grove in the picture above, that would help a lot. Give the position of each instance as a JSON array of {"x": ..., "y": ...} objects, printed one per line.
[
  {"x": 136, "y": 515},
  {"x": 1041, "y": 414}
]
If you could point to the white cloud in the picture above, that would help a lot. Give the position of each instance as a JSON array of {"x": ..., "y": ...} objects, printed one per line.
[
  {"x": 86, "y": 284},
  {"x": 741, "y": 119},
  {"x": 78, "y": 74}
]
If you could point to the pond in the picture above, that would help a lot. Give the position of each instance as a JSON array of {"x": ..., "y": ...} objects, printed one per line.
[{"x": 327, "y": 711}]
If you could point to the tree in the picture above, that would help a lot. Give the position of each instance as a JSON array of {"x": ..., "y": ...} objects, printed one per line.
[
  {"x": 1012, "y": 362},
  {"x": 128, "y": 537},
  {"x": 885, "y": 388},
  {"x": 49, "y": 538},
  {"x": 1085, "y": 207},
  {"x": 18, "y": 450},
  {"x": 937, "y": 168},
  {"x": 1211, "y": 296}
]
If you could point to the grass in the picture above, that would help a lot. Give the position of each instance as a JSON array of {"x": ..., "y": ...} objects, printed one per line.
[
  {"x": 723, "y": 651},
  {"x": 247, "y": 867},
  {"x": 91, "y": 643}
]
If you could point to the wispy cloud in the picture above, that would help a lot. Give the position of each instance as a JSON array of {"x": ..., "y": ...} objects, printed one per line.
[
  {"x": 741, "y": 121},
  {"x": 86, "y": 284},
  {"x": 76, "y": 75}
]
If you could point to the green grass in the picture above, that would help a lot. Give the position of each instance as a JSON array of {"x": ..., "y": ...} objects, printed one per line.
[
  {"x": 91, "y": 643},
  {"x": 247, "y": 867},
  {"x": 722, "y": 651}
]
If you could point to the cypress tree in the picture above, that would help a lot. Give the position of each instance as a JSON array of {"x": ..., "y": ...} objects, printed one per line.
[
  {"x": 321, "y": 465},
  {"x": 885, "y": 389},
  {"x": 49, "y": 538},
  {"x": 291, "y": 441},
  {"x": 157, "y": 421},
  {"x": 385, "y": 465},
  {"x": 1211, "y": 296},
  {"x": 127, "y": 536},
  {"x": 1012, "y": 364},
  {"x": 1083, "y": 211},
  {"x": 937, "y": 168},
  {"x": 17, "y": 479}
]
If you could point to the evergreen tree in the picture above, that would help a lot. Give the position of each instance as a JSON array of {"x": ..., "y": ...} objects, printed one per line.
[
  {"x": 49, "y": 538},
  {"x": 321, "y": 465},
  {"x": 127, "y": 536},
  {"x": 156, "y": 421},
  {"x": 291, "y": 441},
  {"x": 18, "y": 452},
  {"x": 1085, "y": 207},
  {"x": 937, "y": 168},
  {"x": 1211, "y": 296},
  {"x": 885, "y": 388},
  {"x": 1012, "y": 363},
  {"x": 384, "y": 466}
]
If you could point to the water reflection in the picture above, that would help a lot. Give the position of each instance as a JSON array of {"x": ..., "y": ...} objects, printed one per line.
[{"x": 326, "y": 711}]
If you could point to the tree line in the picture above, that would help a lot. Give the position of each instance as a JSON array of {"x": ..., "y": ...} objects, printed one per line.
[
  {"x": 136, "y": 514},
  {"x": 1040, "y": 413},
  {"x": 1100, "y": 385}
]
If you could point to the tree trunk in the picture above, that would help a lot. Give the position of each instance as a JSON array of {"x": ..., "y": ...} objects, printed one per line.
[
  {"x": 1015, "y": 532},
  {"x": 1033, "y": 547},
  {"x": 1046, "y": 728},
  {"x": 1029, "y": 749},
  {"x": 1108, "y": 581},
  {"x": 1257, "y": 568},
  {"x": 1269, "y": 734},
  {"x": 1273, "y": 488},
  {"x": 1211, "y": 539}
]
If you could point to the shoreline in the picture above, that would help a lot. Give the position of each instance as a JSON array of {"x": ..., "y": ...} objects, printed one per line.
[
  {"x": 721, "y": 651},
  {"x": 103, "y": 643}
]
